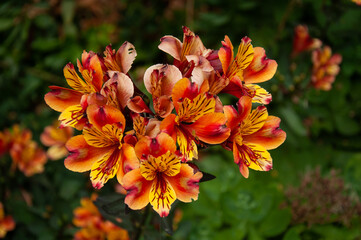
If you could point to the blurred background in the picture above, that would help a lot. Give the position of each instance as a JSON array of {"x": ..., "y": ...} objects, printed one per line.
[{"x": 313, "y": 191}]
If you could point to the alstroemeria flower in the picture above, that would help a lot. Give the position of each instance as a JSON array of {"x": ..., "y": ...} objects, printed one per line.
[
  {"x": 93, "y": 225},
  {"x": 161, "y": 178},
  {"x": 7, "y": 223},
  {"x": 55, "y": 138},
  {"x": 358, "y": 2},
  {"x": 73, "y": 102},
  {"x": 249, "y": 66},
  {"x": 196, "y": 118},
  {"x": 252, "y": 134},
  {"x": 302, "y": 41},
  {"x": 100, "y": 148},
  {"x": 189, "y": 54},
  {"x": 145, "y": 127},
  {"x": 159, "y": 80},
  {"x": 25, "y": 153},
  {"x": 325, "y": 68}
]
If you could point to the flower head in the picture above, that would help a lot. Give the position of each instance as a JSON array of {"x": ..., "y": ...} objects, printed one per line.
[{"x": 302, "y": 41}]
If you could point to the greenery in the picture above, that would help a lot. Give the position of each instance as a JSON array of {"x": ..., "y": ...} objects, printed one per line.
[{"x": 323, "y": 128}]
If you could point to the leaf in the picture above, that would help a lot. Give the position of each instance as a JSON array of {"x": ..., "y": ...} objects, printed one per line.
[
  {"x": 207, "y": 177},
  {"x": 5, "y": 24},
  {"x": 293, "y": 120},
  {"x": 275, "y": 222}
]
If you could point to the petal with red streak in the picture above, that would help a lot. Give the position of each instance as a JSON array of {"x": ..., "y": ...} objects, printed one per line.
[
  {"x": 129, "y": 161},
  {"x": 155, "y": 146},
  {"x": 270, "y": 135},
  {"x": 185, "y": 183},
  {"x": 137, "y": 189},
  {"x": 61, "y": 98},
  {"x": 102, "y": 115}
]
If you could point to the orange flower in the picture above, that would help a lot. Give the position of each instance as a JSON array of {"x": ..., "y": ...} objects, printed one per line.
[
  {"x": 55, "y": 138},
  {"x": 101, "y": 148},
  {"x": 249, "y": 66},
  {"x": 122, "y": 60},
  {"x": 325, "y": 68},
  {"x": 25, "y": 153},
  {"x": 358, "y": 2},
  {"x": 161, "y": 178},
  {"x": 302, "y": 41},
  {"x": 196, "y": 118},
  {"x": 88, "y": 217},
  {"x": 7, "y": 223},
  {"x": 252, "y": 134}
]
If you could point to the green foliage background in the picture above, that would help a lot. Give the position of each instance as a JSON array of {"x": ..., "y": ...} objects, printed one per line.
[{"x": 323, "y": 128}]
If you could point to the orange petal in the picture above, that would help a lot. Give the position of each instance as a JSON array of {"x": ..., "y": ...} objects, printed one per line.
[
  {"x": 96, "y": 71},
  {"x": 138, "y": 189},
  {"x": 261, "y": 68},
  {"x": 102, "y": 115},
  {"x": 210, "y": 128},
  {"x": 163, "y": 106},
  {"x": 73, "y": 116},
  {"x": 57, "y": 152},
  {"x": 243, "y": 168},
  {"x": 184, "y": 88},
  {"x": 109, "y": 135},
  {"x": 270, "y": 135},
  {"x": 192, "y": 44},
  {"x": 259, "y": 95},
  {"x": 168, "y": 125},
  {"x": 192, "y": 110},
  {"x": 129, "y": 161},
  {"x": 244, "y": 105},
  {"x": 231, "y": 115},
  {"x": 81, "y": 155},
  {"x": 172, "y": 46},
  {"x": 225, "y": 54},
  {"x": 187, "y": 145},
  {"x": 185, "y": 183},
  {"x": 61, "y": 98},
  {"x": 155, "y": 146}
]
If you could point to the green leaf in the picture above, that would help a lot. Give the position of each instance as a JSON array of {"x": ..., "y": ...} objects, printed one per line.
[
  {"x": 6, "y": 23},
  {"x": 275, "y": 223},
  {"x": 293, "y": 120}
]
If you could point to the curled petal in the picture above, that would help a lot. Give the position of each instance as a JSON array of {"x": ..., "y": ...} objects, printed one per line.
[
  {"x": 225, "y": 54},
  {"x": 185, "y": 184},
  {"x": 210, "y": 128},
  {"x": 172, "y": 46},
  {"x": 270, "y": 135},
  {"x": 81, "y": 155},
  {"x": 259, "y": 95},
  {"x": 138, "y": 189},
  {"x": 168, "y": 125},
  {"x": 163, "y": 106},
  {"x": 61, "y": 98},
  {"x": 137, "y": 105},
  {"x": 160, "y": 79},
  {"x": 261, "y": 68},
  {"x": 244, "y": 105}
]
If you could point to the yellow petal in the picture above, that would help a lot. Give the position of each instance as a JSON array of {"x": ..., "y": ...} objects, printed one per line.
[
  {"x": 110, "y": 135},
  {"x": 161, "y": 196},
  {"x": 254, "y": 121},
  {"x": 192, "y": 110}
]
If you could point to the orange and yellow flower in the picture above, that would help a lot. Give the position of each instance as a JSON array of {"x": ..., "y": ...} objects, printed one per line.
[
  {"x": 196, "y": 118},
  {"x": 7, "y": 223},
  {"x": 101, "y": 148},
  {"x": 161, "y": 177},
  {"x": 253, "y": 133},
  {"x": 93, "y": 225},
  {"x": 55, "y": 138},
  {"x": 325, "y": 68},
  {"x": 358, "y": 2},
  {"x": 249, "y": 66},
  {"x": 302, "y": 41}
]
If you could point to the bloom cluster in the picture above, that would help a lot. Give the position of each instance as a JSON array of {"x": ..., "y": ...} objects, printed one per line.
[
  {"x": 325, "y": 65},
  {"x": 149, "y": 147},
  {"x": 25, "y": 153},
  {"x": 93, "y": 225}
]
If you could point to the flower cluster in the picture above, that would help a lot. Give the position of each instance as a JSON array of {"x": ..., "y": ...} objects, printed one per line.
[
  {"x": 149, "y": 147},
  {"x": 325, "y": 65},
  {"x": 7, "y": 223},
  {"x": 92, "y": 224},
  {"x": 25, "y": 153}
]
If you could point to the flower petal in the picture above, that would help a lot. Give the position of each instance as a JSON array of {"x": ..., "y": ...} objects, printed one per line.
[
  {"x": 75, "y": 81},
  {"x": 129, "y": 161},
  {"x": 137, "y": 105},
  {"x": 254, "y": 121},
  {"x": 161, "y": 196},
  {"x": 73, "y": 116},
  {"x": 270, "y": 135},
  {"x": 138, "y": 189},
  {"x": 259, "y": 95},
  {"x": 155, "y": 146},
  {"x": 185, "y": 183},
  {"x": 184, "y": 88},
  {"x": 109, "y": 135},
  {"x": 172, "y": 46},
  {"x": 210, "y": 128},
  {"x": 225, "y": 54},
  {"x": 192, "y": 110},
  {"x": 260, "y": 69},
  {"x": 102, "y": 115},
  {"x": 61, "y": 98},
  {"x": 125, "y": 56},
  {"x": 81, "y": 155}
]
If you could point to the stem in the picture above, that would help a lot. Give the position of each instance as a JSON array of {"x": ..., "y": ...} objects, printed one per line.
[{"x": 140, "y": 228}]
